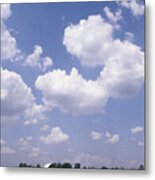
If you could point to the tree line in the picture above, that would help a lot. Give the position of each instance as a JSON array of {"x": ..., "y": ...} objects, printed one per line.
[{"x": 75, "y": 166}]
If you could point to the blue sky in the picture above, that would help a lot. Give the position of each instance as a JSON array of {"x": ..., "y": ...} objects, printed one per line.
[{"x": 73, "y": 83}]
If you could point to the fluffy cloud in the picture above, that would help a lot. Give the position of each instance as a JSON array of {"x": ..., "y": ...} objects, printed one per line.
[
  {"x": 82, "y": 41},
  {"x": 36, "y": 60},
  {"x": 56, "y": 136},
  {"x": 96, "y": 135},
  {"x": 123, "y": 61},
  {"x": 16, "y": 95},
  {"x": 9, "y": 49},
  {"x": 112, "y": 139},
  {"x": 122, "y": 75},
  {"x": 136, "y": 8},
  {"x": 137, "y": 130},
  {"x": 17, "y": 100},
  {"x": 5, "y": 11},
  {"x": 47, "y": 62},
  {"x": 80, "y": 95},
  {"x": 113, "y": 17}
]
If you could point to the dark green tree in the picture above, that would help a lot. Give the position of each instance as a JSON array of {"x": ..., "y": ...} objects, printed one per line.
[
  {"x": 66, "y": 165},
  {"x": 21, "y": 165},
  {"x": 104, "y": 167},
  {"x": 38, "y": 166},
  {"x": 77, "y": 166},
  {"x": 141, "y": 167}
]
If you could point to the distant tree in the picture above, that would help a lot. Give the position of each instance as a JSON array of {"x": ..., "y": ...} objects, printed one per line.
[
  {"x": 141, "y": 167},
  {"x": 66, "y": 165},
  {"x": 38, "y": 166},
  {"x": 84, "y": 167},
  {"x": 77, "y": 166},
  {"x": 104, "y": 167},
  {"x": 21, "y": 165},
  {"x": 59, "y": 165},
  {"x": 25, "y": 165}
]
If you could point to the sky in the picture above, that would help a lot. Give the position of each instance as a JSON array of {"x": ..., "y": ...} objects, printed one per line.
[{"x": 72, "y": 83}]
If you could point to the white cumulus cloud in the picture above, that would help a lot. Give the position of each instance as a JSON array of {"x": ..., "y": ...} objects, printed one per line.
[
  {"x": 17, "y": 99},
  {"x": 9, "y": 49},
  {"x": 112, "y": 138},
  {"x": 113, "y": 17},
  {"x": 80, "y": 95},
  {"x": 36, "y": 59},
  {"x": 96, "y": 135},
  {"x": 136, "y": 8},
  {"x": 92, "y": 42},
  {"x": 5, "y": 11},
  {"x": 137, "y": 130},
  {"x": 56, "y": 136},
  {"x": 16, "y": 95}
]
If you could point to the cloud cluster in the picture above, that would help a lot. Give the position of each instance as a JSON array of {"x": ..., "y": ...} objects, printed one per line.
[
  {"x": 122, "y": 75},
  {"x": 36, "y": 60},
  {"x": 112, "y": 138},
  {"x": 109, "y": 138},
  {"x": 9, "y": 49},
  {"x": 136, "y": 8},
  {"x": 16, "y": 96},
  {"x": 113, "y": 17},
  {"x": 17, "y": 99},
  {"x": 80, "y": 95},
  {"x": 82, "y": 41},
  {"x": 56, "y": 136}
]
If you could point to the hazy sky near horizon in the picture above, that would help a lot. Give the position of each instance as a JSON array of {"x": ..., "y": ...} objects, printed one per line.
[{"x": 72, "y": 83}]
